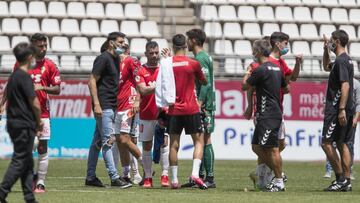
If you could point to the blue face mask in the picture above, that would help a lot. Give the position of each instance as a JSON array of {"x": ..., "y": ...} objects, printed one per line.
[
  {"x": 119, "y": 50},
  {"x": 284, "y": 51}
]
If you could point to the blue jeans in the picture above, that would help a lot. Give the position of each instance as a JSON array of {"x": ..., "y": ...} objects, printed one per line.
[{"x": 104, "y": 129}]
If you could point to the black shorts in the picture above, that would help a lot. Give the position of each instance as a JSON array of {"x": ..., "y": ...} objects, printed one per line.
[
  {"x": 191, "y": 124},
  {"x": 267, "y": 132},
  {"x": 333, "y": 132}
]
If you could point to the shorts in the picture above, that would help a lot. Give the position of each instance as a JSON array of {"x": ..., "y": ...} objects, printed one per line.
[
  {"x": 282, "y": 131},
  {"x": 333, "y": 132},
  {"x": 147, "y": 130},
  {"x": 191, "y": 124},
  {"x": 126, "y": 122},
  {"x": 208, "y": 121},
  {"x": 46, "y": 132},
  {"x": 266, "y": 133}
]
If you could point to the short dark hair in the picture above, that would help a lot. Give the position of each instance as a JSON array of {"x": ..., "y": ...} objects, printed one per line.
[
  {"x": 262, "y": 46},
  {"x": 151, "y": 45},
  {"x": 179, "y": 41},
  {"x": 342, "y": 36},
  {"x": 278, "y": 37},
  {"x": 38, "y": 37},
  {"x": 23, "y": 50},
  {"x": 114, "y": 35},
  {"x": 198, "y": 35},
  {"x": 267, "y": 37}
]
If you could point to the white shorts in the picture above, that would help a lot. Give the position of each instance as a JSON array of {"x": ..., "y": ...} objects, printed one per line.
[
  {"x": 46, "y": 132},
  {"x": 281, "y": 134},
  {"x": 126, "y": 123},
  {"x": 147, "y": 130}
]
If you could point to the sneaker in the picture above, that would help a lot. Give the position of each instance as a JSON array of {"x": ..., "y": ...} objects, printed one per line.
[
  {"x": 126, "y": 179},
  {"x": 148, "y": 183},
  {"x": 40, "y": 188},
  {"x": 190, "y": 183},
  {"x": 352, "y": 177},
  {"x": 327, "y": 174},
  {"x": 164, "y": 181},
  {"x": 199, "y": 182},
  {"x": 336, "y": 186},
  {"x": 175, "y": 185},
  {"x": 274, "y": 188},
  {"x": 284, "y": 177},
  {"x": 210, "y": 184},
  {"x": 120, "y": 183},
  {"x": 96, "y": 182},
  {"x": 137, "y": 179}
]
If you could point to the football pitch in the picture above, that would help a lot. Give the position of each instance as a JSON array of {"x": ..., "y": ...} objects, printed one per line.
[{"x": 65, "y": 183}]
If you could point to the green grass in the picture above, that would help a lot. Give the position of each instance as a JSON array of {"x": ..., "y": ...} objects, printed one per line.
[{"x": 65, "y": 183}]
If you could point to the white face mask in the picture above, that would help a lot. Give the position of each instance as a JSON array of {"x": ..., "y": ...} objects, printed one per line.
[{"x": 32, "y": 64}]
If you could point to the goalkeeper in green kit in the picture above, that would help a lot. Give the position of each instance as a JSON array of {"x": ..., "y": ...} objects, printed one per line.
[{"x": 206, "y": 101}]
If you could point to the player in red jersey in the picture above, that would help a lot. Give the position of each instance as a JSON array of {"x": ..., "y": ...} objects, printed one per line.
[
  {"x": 185, "y": 113},
  {"x": 145, "y": 84},
  {"x": 46, "y": 79},
  {"x": 126, "y": 119},
  {"x": 279, "y": 42}
]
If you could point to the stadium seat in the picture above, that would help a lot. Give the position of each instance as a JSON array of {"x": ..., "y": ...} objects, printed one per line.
[
  {"x": 311, "y": 2},
  {"x": 96, "y": 43},
  {"x": 216, "y": 2},
  {"x": 134, "y": 11},
  {"x": 311, "y": 67},
  {"x": 232, "y": 30},
  {"x": 163, "y": 43},
  {"x": 4, "y": 9},
  {"x": 80, "y": 44},
  {"x": 274, "y": 2},
  {"x": 327, "y": 30},
  {"x": 50, "y": 26},
  {"x": 95, "y": 10},
  {"x": 242, "y": 48},
  {"x": 149, "y": 29},
  {"x": 317, "y": 48},
  {"x": 350, "y": 30},
  {"x": 354, "y": 16},
  {"x": 246, "y": 13},
  {"x": 70, "y": 27},
  {"x": 76, "y": 9},
  {"x": 137, "y": 46},
  {"x": 283, "y": 14},
  {"x": 265, "y": 13},
  {"x": 86, "y": 63},
  {"x": 5, "y": 43},
  {"x": 251, "y": 30},
  {"x": 107, "y": 26},
  {"x": 208, "y": 13},
  {"x": 309, "y": 31},
  {"x": 247, "y": 63},
  {"x": 330, "y": 3},
  {"x": 356, "y": 68},
  {"x": 354, "y": 49},
  {"x": 11, "y": 26},
  {"x": 18, "y": 8},
  {"x": 54, "y": 58},
  {"x": 302, "y": 14},
  {"x": 293, "y": 2},
  {"x": 233, "y": 66},
  {"x": 269, "y": 28},
  {"x": 114, "y": 10},
  {"x": 223, "y": 47},
  {"x": 227, "y": 13},
  {"x": 60, "y": 44},
  {"x": 7, "y": 62},
  {"x": 213, "y": 29},
  {"x": 321, "y": 15},
  {"x": 339, "y": 15},
  {"x": 301, "y": 47},
  {"x": 68, "y": 63},
  {"x": 57, "y": 9},
  {"x": 255, "y": 2},
  {"x": 30, "y": 25},
  {"x": 291, "y": 29},
  {"x": 130, "y": 27},
  {"x": 347, "y": 3},
  {"x": 37, "y": 9},
  {"x": 89, "y": 27}
]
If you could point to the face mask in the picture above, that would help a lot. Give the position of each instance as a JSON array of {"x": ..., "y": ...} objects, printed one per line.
[
  {"x": 32, "y": 64},
  {"x": 284, "y": 51},
  {"x": 332, "y": 46},
  {"x": 119, "y": 50}
]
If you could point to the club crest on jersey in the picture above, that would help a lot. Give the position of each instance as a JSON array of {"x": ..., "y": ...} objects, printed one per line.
[
  {"x": 330, "y": 130},
  {"x": 43, "y": 69},
  {"x": 137, "y": 78},
  {"x": 266, "y": 137}
]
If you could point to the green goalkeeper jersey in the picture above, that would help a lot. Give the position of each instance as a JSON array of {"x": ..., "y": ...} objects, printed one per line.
[{"x": 206, "y": 93}]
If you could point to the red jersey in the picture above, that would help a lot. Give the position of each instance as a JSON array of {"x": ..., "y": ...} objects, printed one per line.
[
  {"x": 186, "y": 70},
  {"x": 45, "y": 74},
  {"x": 127, "y": 92},
  {"x": 148, "y": 108}
]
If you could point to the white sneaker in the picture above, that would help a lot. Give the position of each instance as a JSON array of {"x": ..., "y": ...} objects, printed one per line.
[
  {"x": 137, "y": 179},
  {"x": 327, "y": 175},
  {"x": 352, "y": 177}
]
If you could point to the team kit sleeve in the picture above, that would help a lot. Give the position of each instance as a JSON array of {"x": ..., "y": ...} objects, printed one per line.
[
  {"x": 204, "y": 89},
  {"x": 99, "y": 65},
  {"x": 54, "y": 75},
  {"x": 139, "y": 77},
  {"x": 198, "y": 72},
  {"x": 255, "y": 76},
  {"x": 343, "y": 71},
  {"x": 287, "y": 71}
]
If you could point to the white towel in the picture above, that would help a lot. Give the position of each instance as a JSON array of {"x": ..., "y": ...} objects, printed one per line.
[{"x": 165, "y": 91}]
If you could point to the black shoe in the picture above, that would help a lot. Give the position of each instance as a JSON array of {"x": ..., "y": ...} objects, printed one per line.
[
  {"x": 210, "y": 184},
  {"x": 120, "y": 183},
  {"x": 96, "y": 182},
  {"x": 337, "y": 186},
  {"x": 126, "y": 179},
  {"x": 34, "y": 201},
  {"x": 191, "y": 183}
]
